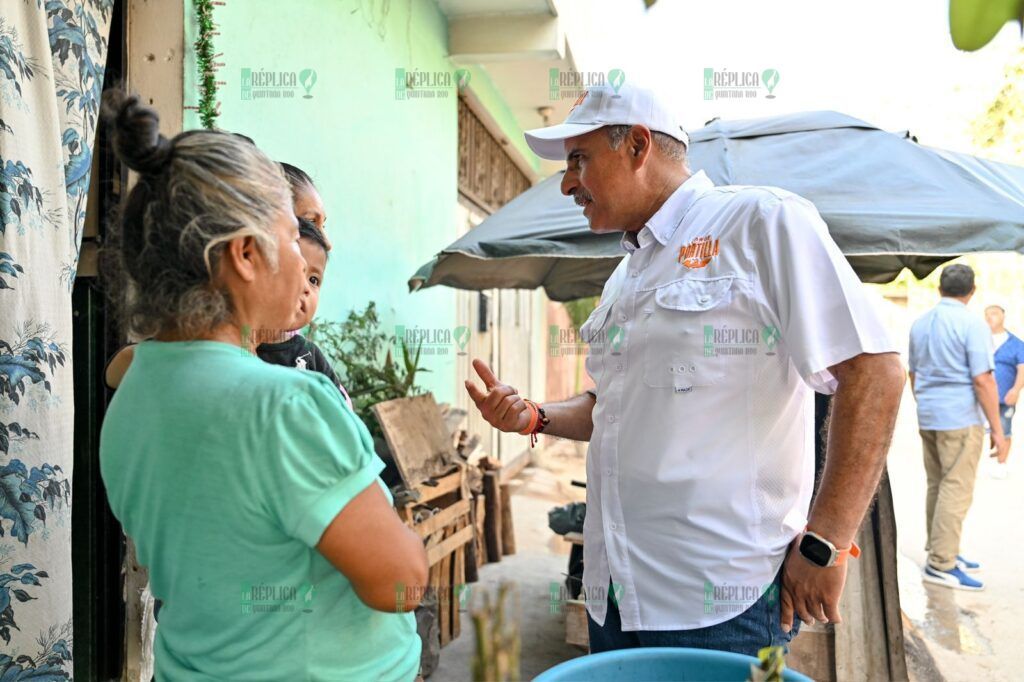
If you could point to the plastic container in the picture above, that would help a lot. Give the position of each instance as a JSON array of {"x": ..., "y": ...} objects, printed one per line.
[{"x": 657, "y": 665}]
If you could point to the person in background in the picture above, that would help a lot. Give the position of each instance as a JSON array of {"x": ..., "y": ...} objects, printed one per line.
[
  {"x": 951, "y": 375},
  {"x": 251, "y": 490},
  {"x": 1009, "y": 358}
]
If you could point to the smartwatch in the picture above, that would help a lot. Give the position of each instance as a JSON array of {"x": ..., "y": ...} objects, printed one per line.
[{"x": 823, "y": 553}]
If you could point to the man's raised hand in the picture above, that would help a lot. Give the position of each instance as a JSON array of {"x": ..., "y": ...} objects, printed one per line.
[{"x": 499, "y": 404}]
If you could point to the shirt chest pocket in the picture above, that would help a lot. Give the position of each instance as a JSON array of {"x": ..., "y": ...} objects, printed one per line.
[
  {"x": 679, "y": 320},
  {"x": 601, "y": 336}
]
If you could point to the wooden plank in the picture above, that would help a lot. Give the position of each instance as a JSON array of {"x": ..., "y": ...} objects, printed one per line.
[
  {"x": 445, "y": 485},
  {"x": 508, "y": 533},
  {"x": 448, "y": 545},
  {"x": 156, "y": 52},
  {"x": 884, "y": 517},
  {"x": 813, "y": 652},
  {"x": 861, "y": 648},
  {"x": 442, "y": 518},
  {"x": 472, "y": 564},
  {"x": 434, "y": 539},
  {"x": 492, "y": 517},
  {"x": 481, "y": 513},
  {"x": 416, "y": 435},
  {"x": 576, "y": 630},
  {"x": 459, "y": 577},
  {"x": 444, "y": 598},
  {"x": 434, "y": 585}
]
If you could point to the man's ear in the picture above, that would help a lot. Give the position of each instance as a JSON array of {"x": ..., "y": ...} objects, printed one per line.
[
  {"x": 639, "y": 141},
  {"x": 240, "y": 258}
]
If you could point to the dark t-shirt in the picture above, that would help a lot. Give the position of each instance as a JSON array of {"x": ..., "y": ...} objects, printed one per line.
[{"x": 301, "y": 353}]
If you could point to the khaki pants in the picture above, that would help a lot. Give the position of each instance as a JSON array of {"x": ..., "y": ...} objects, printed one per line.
[{"x": 951, "y": 462}]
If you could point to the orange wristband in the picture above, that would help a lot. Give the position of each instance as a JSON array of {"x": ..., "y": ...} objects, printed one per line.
[{"x": 534, "y": 416}]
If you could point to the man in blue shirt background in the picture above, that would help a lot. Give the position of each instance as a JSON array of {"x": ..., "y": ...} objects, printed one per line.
[
  {"x": 951, "y": 374},
  {"x": 1009, "y": 359}
]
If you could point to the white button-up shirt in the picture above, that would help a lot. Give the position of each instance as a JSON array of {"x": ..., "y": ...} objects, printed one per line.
[{"x": 729, "y": 308}]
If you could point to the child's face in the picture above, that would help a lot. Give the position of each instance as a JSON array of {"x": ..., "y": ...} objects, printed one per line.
[{"x": 316, "y": 263}]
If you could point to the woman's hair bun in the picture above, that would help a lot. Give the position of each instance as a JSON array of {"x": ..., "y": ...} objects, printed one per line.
[{"x": 135, "y": 132}]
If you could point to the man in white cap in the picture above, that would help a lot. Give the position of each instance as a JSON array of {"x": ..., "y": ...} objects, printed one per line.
[{"x": 732, "y": 306}]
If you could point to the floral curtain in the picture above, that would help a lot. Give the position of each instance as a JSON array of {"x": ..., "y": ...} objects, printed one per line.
[{"x": 52, "y": 55}]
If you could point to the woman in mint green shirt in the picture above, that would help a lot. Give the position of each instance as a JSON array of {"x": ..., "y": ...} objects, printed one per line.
[{"x": 251, "y": 490}]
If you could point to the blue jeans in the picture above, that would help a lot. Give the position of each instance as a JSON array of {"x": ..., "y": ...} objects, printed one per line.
[{"x": 757, "y": 627}]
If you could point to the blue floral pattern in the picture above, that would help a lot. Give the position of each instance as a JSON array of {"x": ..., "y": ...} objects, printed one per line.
[{"x": 44, "y": 181}]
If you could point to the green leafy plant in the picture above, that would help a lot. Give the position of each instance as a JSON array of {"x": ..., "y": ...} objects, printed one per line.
[
  {"x": 363, "y": 357},
  {"x": 209, "y": 107}
]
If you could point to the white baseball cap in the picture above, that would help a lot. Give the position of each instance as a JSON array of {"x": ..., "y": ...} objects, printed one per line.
[{"x": 601, "y": 106}]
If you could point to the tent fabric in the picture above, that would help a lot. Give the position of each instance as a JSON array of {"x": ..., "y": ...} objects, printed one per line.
[{"x": 889, "y": 202}]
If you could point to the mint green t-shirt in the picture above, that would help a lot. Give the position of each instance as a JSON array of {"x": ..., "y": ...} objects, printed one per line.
[{"x": 225, "y": 471}]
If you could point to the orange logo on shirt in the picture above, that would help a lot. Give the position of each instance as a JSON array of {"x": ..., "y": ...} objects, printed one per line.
[{"x": 699, "y": 253}]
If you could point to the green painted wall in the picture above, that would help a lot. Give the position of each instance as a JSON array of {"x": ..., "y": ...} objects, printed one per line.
[{"x": 386, "y": 167}]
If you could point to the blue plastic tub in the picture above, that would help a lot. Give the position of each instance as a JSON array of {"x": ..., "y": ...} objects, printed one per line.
[{"x": 658, "y": 665}]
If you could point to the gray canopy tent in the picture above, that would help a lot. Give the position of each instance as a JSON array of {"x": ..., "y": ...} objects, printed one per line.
[{"x": 889, "y": 203}]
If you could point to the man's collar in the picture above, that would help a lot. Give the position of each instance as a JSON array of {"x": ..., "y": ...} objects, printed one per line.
[
  {"x": 662, "y": 225},
  {"x": 949, "y": 300}
]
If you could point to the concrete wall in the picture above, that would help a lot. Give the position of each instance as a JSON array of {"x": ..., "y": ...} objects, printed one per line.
[{"x": 386, "y": 167}]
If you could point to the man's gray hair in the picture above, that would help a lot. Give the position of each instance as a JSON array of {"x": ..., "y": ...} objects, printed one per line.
[
  {"x": 666, "y": 144},
  {"x": 956, "y": 280}
]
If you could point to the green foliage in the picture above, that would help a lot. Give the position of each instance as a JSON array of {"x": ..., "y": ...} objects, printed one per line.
[
  {"x": 209, "y": 109},
  {"x": 1000, "y": 130},
  {"x": 362, "y": 355}
]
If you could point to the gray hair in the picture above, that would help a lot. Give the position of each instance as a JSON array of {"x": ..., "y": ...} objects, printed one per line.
[
  {"x": 956, "y": 280},
  {"x": 666, "y": 144},
  {"x": 195, "y": 193}
]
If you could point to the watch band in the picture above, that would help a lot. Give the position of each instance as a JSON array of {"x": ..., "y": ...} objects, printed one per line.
[
  {"x": 853, "y": 551},
  {"x": 838, "y": 556}
]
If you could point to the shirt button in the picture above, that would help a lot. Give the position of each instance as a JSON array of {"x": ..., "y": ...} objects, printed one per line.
[
  {"x": 612, "y": 526},
  {"x": 618, "y": 367},
  {"x": 611, "y": 418},
  {"x": 634, "y": 274},
  {"x": 622, "y": 317},
  {"x": 704, "y": 299},
  {"x": 608, "y": 472}
]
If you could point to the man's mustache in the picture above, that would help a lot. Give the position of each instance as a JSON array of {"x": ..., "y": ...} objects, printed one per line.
[{"x": 581, "y": 196}]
